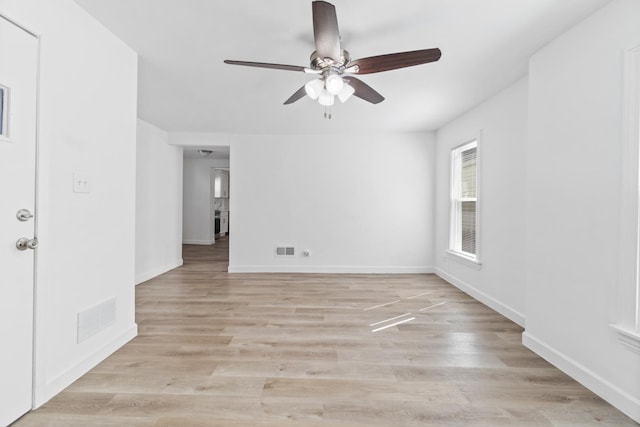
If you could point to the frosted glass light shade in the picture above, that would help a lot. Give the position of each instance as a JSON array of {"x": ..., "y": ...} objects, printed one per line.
[
  {"x": 334, "y": 84},
  {"x": 346, "y": 92},
  {"x": 326, "y": 99},
  {"x": 314, "y": 88}
]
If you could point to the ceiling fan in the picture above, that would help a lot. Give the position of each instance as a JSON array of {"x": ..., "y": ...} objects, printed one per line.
[{"x": 335, "y": 67}]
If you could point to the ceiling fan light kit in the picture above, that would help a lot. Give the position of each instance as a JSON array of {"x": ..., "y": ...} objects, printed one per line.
[
  {"x": 335, "y": 67},
  {"x": 346, "y": 92},
  {"x": 314, "y": 88},
  {"x": 326, "y": 99},
  {"x": 333, "y": 84},
  {"x": 205, "y": 153}
]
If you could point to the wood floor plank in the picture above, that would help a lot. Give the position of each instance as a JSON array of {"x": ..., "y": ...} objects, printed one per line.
[{"x": 219, "y": 349}]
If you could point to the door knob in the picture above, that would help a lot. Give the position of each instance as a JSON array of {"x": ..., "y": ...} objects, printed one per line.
[
  {"x": 24, "y": 215},
  {"x": 23, "y": 243}
]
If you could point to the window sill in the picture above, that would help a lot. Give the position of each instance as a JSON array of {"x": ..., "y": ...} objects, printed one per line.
[
  {"x": 464, "y": 260},
  {"x": 628, "y": 338}
]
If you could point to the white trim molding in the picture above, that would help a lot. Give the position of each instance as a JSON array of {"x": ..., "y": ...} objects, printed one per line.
[
  {"x": 628, "y": 404},
  {"x": 329, "y": 269},
  {"x": 198, "y": 242},
  {"x": 65, "y": 379},
  {"x": 155, "y": 272},
  {"x": 464, "y": 260},
  {"x": 630, "y": 339},
  {"x": 626, "y": 311},
  {"x": 508, "y": 312}
]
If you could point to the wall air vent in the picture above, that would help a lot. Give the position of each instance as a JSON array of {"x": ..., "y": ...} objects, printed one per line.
[
  {"x": 94, "y": 319},
  {"x": 285, "y": 251}
]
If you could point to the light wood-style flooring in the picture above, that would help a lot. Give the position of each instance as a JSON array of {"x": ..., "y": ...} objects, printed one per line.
[{"x": 219, "y": 349}]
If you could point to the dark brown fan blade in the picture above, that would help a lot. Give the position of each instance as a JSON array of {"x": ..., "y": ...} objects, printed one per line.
[
  {"x": 363, "y": 90},
  {"x": 325, "y": 30},
  {"x": 296, "y": 96},
  {"x": 392, "y": 61},
  {"x": 266, "y": 65}
]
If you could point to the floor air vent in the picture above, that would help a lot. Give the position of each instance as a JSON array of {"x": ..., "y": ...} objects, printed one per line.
[{"x": 285, "y": 251}]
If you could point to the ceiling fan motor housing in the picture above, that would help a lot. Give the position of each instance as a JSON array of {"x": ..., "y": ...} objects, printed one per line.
[{"x": 319, "y": 63}]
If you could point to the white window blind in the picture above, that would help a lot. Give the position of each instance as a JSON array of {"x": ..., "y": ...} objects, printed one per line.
[
  {"x": 464, "y": 219},
  {"x": 4, "y": 98}
]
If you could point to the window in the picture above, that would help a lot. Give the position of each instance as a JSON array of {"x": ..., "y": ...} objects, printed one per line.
[
  {"x": 627, "y": 308},
  {"x": 4, "y": 95},
  {"x": 463, "y": 238}
]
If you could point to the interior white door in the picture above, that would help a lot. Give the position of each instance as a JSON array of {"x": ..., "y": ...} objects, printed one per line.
[{"x": 18, "y": 83}]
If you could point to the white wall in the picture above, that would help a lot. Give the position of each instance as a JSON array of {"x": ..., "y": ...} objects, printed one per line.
[
  {"x": 198, "y": 227},
  {"x": 158, "y": 203},
  {"x": 573, "y": 198},
  {"x": 87, "y": 124},
  {"x": 359, "y": 203},
  {"x": 501, "y": 126}
]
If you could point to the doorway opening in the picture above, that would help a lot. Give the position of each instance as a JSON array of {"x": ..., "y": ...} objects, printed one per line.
[{"x": 207, "y": 198}]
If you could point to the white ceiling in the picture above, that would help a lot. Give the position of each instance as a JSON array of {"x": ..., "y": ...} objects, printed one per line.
[{"x": 185, "y": 86}]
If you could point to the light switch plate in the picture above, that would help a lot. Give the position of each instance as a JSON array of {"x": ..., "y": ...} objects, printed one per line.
[{"x": 81, "y": 183}]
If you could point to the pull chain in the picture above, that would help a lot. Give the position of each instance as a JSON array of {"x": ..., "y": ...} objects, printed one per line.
[{"x": 327, "y": 112}]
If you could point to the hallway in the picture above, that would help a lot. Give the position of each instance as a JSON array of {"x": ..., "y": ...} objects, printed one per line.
[{"x": 211, "y": 258}]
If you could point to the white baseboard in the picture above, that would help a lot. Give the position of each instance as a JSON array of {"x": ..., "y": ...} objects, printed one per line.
[
  {"x": 65, "y": 379},
  {"x": 489, "y": 301},
  {"x": 143, "y": 277},
  {"x": 198, "y": 242},
  {"x": 329, "y": 269},
  {"x": 625, "y": 402}
]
